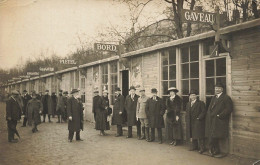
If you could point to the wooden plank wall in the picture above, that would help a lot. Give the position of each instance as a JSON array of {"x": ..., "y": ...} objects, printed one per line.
[{"x": 246, "y": 93}]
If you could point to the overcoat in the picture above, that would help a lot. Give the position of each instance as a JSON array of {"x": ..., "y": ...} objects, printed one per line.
[
  {"x": 155, "y": 110},
  {"x": 26, "y": 98},
  {"x": 34, "y": 107},
  {"x": 13, "y": 109},
  {"x": 174, "y": 109},
  {"x": 60, "y": 108},
  {"x": 75, "y": 110},
  {"x": 217, "y": 127},
  {"x": 119, "y": 106},
  {"x": 47, "y": 104},
  {"x": 140, "y": 109},
  {"x": 99, "y": 113},
  {"x": 195, "y": 120},
  {"x": 130, "y": 106}
]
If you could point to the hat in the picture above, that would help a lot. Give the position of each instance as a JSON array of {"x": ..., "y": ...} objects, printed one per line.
[
  {"x": 154, "y": 90},
  {"x": 33, "y": 93},
  {"x": 65, "y": 92},
  {"x": 141, "y": 89},
  {"x": 60, "y": 90},
  {"x": 15, "y": 92},
  {"x": 132, "y": 87},
  {"x": 219, "y": 84},
  {"x": 74, "y": 91},
  {"x": 46, "y": 90},
  {"x": 24, "y": 90},
  {"x": 193, "y": 91},
  {"x": 173, "y": 89},
  {"x": 105, "y": 91},
  {"x": 117, "y": 89},
  {"x": 96, "y": 91}
]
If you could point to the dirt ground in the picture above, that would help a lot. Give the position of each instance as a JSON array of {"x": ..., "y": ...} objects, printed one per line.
[{"x": 50, "y": 146}]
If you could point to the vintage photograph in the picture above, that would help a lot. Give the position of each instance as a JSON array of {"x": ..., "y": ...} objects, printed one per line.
[{"x": 129, "y": 82}]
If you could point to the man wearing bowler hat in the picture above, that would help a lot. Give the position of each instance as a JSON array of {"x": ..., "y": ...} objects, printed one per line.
[
  {"x": 13, "y": 114},
  {"x": 75, "y": 115},
  {"x": 118, "y": 110},
  {"x": 26, "y": 97},
  {"x": 130, "y": 106},
  {"x": 217, "y": 119},
  {"x": 155, "y": 110}
]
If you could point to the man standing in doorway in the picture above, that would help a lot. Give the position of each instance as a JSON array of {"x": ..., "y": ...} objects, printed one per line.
[
  {"x": 217, "y": 119},
  {"x": 26, "y": 97},
  {"x": 47, "y": 106}
]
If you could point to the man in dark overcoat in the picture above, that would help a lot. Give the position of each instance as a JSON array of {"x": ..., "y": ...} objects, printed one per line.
[
  {"x": 13, "y": 114},
  {"x": 217, "y": 119},
  {"x": 118, "y": 109},
  {"x": 47, "y": 106},
  {"x": 75, "y": 115},
  {"x": 54, "y": 103},
  {"x": 26, "y": 97},
  {"x": 98, "y": 109},
  {"x": 65, "y": 98},
  {"x": 130, "y": 106},
  {"x": 195, "y": 122},
  {"x": 60, "y": 108},
  {"x": 155, "y": 110}
]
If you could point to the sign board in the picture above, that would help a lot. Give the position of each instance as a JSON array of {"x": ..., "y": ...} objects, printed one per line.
[
  {"x": 33, "y": 73},
  {"x": 106, "y": 47},
  {"x": 46, "y": 69},
  {"x": 16, "y": 79},
  {"x": 69, "y": 62},
  {"x": 23, "y": 77},
  {"x": 198, "y": 17}
]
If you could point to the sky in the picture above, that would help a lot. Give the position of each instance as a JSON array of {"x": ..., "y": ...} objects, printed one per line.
[{"x": 29, "y": 27}]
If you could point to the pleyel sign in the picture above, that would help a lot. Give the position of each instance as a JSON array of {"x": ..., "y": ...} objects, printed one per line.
[
  {"x": 106, "y": 47},
  {"x": 198, "y": 17},
  {"x": 69, "y": 62}
]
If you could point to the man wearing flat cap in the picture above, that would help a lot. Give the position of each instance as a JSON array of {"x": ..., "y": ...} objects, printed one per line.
[
  {"x": 195, "y": 122},
  {"x": 13, "y": 114},
  {"x": 47, "y": 106},
  {"x": 217, "y": 119},
  {"x": 75, "y": 115},
  {"x": 26, "y": 97},
  {"x": 155, "y": 110},
  {"x": 118, "y": 109},
  {"x": 130, "y": 106}
]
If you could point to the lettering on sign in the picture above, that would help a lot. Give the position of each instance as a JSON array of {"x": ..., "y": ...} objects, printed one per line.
[
  {"x": 198, "y": 17},
  {"x": 33, "y": 73},
  {"x": 106, "y": 47},
  {"x": 70, "y": 62},
  {"x": 47, "y": 69},
  {"x": 23, "y": 77}
]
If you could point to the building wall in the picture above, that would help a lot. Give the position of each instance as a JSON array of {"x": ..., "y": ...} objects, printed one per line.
[
  {"x": 246, "y": 93},
  {"x": 89, "y": 94}
]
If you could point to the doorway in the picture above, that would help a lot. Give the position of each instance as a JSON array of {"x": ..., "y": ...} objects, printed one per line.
[{"x": 125, "y": 82}]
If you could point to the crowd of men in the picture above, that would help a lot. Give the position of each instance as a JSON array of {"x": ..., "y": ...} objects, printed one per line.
[{"x": 146, "y": 113}]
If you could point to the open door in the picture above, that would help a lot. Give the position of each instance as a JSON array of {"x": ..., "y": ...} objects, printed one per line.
[{"x": 125, "y": 82}]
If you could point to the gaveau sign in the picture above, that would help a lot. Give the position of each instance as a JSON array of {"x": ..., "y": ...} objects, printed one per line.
[{"x": 198, "y": 17}]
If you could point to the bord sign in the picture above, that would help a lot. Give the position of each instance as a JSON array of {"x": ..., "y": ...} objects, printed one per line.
[
  {"x": 198, "y": 17},
  {"x": 106, "y": 47}
]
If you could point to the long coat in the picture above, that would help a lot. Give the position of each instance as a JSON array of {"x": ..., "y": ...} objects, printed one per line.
[
  {"x": 217, "y": 127},
  {"x": 47, "y": 104},
  {"x": 195, "y": 120},
  {"x": 174, "y": 109},
  {"x": 119, "y": 106},
  {"x": 26, "y": 98},
  {"x": 99, "y": 113},
  {"x": 75, "y": 110},
  {"x": 130, "y": 106},
  {"x": 61, "y": 103},
  {"x": 140, "y": 109},
  {"x": 34, "y": 107},
  {"x": 155, "y": 110},
  {"x": 13, "y": 109}
]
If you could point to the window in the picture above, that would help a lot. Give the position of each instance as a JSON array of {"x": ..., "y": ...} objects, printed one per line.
[
  {"x": 83, "y": 96},
  {"x": 168, "y": 70},
  {"x": 104, "y": 72},
  {"x": 189, "y": 71},
  {"x": 77, "y": 80},
  {"x": 215, "y": 73},
  {"x": 113, "y": 78}
]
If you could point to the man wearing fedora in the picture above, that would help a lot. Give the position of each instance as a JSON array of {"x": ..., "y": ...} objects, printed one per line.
[
  {"x": 195, "y": 122},
  {"x": 155, "y": 110},
  {"x": 13, "y": 114},
  {"x": 130, "y": 106},
  {"x": 47, "y": 106},
  {"x": 118, "y": 110},
  {"x": 217, "y": 119},
  {"x": 173, "y": 107},
  {"x": 141, "y": 114},
  {"x": 26, "y": 97},
  {"x": 75, "y": 115}
]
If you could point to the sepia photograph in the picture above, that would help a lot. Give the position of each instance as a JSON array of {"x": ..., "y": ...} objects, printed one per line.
[{"x": 129, "y": 82}]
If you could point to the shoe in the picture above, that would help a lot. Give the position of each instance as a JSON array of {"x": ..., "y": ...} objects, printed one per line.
[
  {"x": 70, "y": 141},
  {"x": 58, "y": 122},
  {"x": 150, "y": 140},
  {"x": 129, "y": 136},
  {"x": 201, "y": 151},
  {"x": 139, "y": 138},
  {"x": 211, "y": 153},
  {"x": 33, "y": 130},
  {"x": 43, "y": 121},
  {"x": 175, "y": 143},
  {"x": 13, "y": 141},
  {"x": 143, "y": 137},
  {"x": 117, "y": 135},
  {"x": 50, "y": 121},
  {"x": 23, "y": 126},
  {"x": 79, "y": 140}
]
